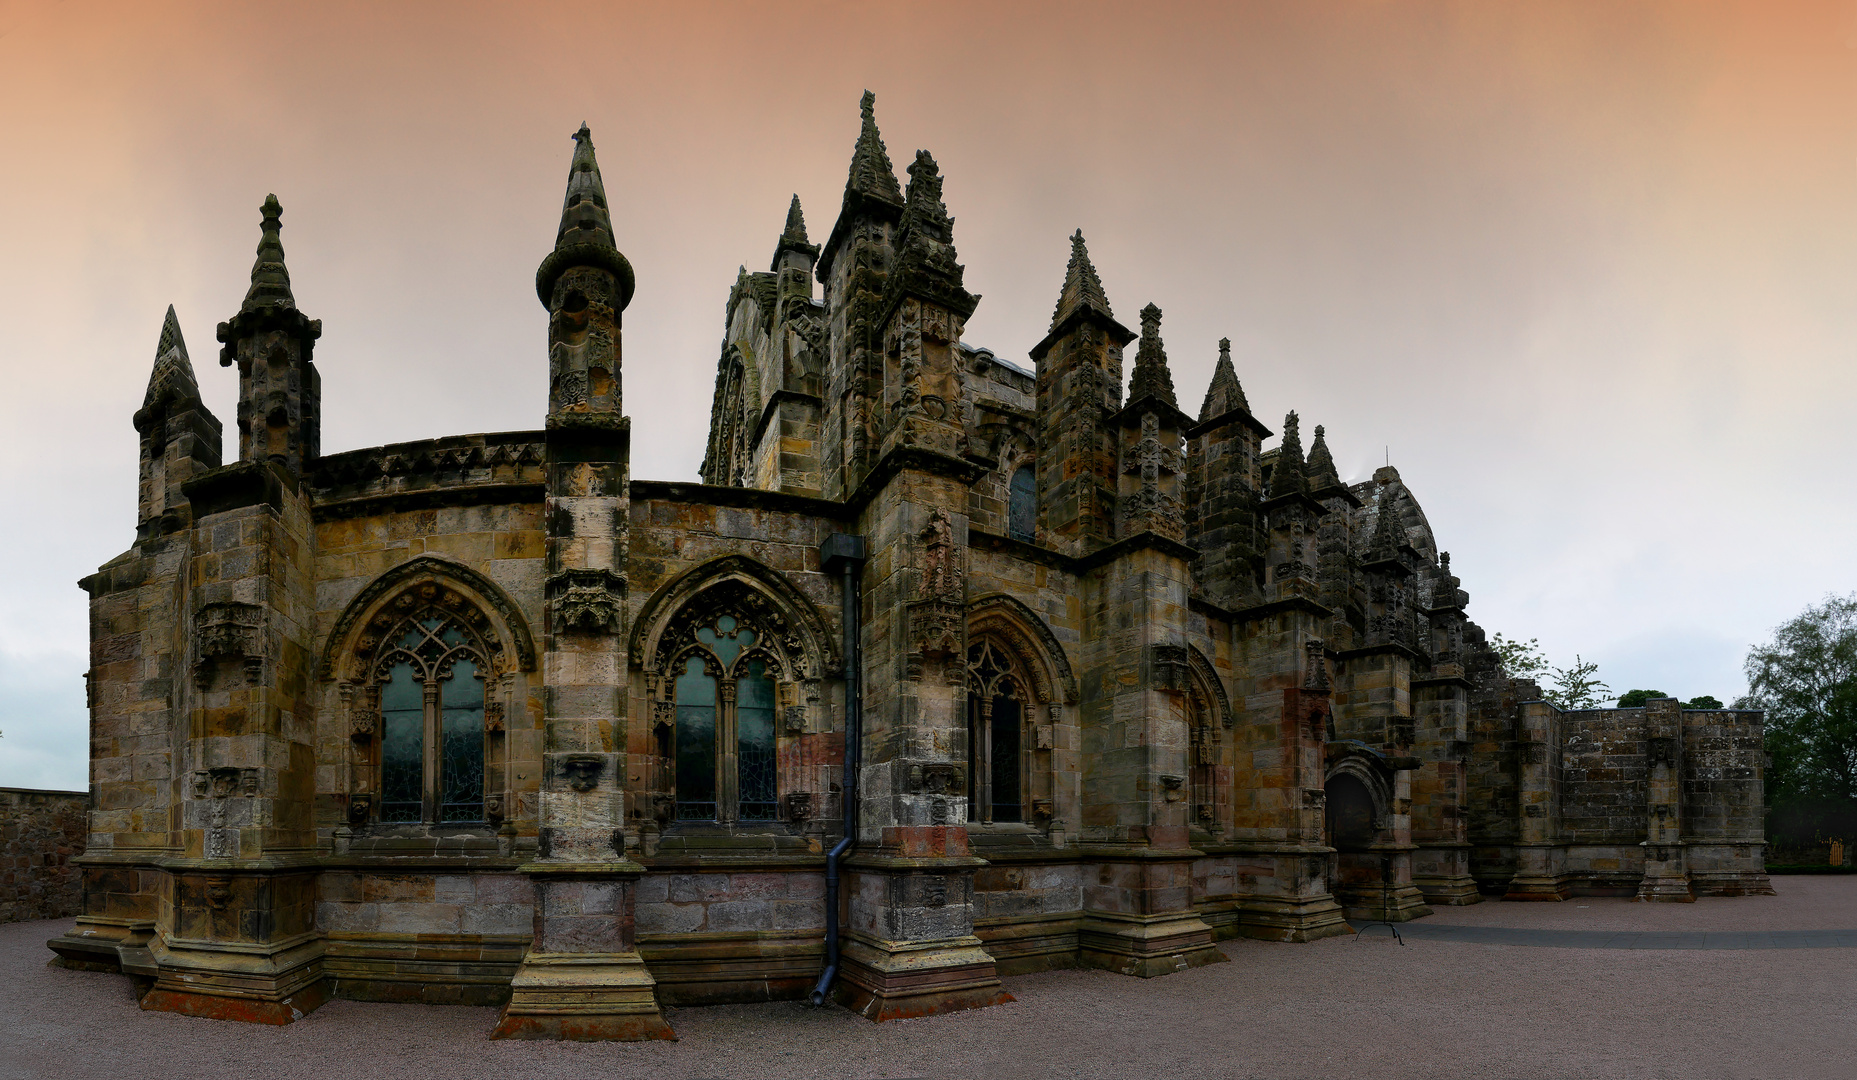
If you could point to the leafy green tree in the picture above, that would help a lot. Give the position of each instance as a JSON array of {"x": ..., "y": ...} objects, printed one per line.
[
  {"x": 1806, "y": 680},
  {"x": 1703, "y": 702},
  {"x": 1520, "y": 659},
  {"x": 1577, "y": 686},
  {"x": 1635, "y": 699}
]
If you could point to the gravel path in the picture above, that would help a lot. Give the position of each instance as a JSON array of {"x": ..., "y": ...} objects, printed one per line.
[{"x": 1334, "y": 1008}]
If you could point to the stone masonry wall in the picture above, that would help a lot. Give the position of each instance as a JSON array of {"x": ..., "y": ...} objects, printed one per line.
[
  {"x": 40, "y": 833},
  {"x": 1604, "y": 773}
]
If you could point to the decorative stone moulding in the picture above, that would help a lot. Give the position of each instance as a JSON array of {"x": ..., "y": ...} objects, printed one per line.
[
  {"x": 228, "y": 631},
  {"x": 587, "y": 600}
]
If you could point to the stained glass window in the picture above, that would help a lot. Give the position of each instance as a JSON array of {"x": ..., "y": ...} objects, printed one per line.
[
  {"x": 1005, "y": 760},
  {"x": 696, "y": 743},
  {"x": 431, "y": 712},
  {"x": 402, "y": 742},
  {"x": 1022, "y": 505},
  {"x": 461, "y": 744},
  {"x": 754, "y": 739}
]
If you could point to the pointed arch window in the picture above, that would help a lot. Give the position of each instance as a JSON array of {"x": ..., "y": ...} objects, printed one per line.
[
  {"x": 997, "y": 716},
  {"x": 429, "y": 684},
  {"x": 723, "y": 740},
  {"x": 1022, "y": 505}
]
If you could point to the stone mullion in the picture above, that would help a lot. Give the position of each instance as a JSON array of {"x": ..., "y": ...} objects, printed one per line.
[
  {"x": 430, "y": 795},
  {"x": 728, "y": 753}
]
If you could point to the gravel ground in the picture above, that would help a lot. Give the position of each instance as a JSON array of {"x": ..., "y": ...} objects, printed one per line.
[{"x": 1334, "y": 1008}]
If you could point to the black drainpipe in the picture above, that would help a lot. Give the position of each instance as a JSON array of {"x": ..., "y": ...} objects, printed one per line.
[{"x": 847, "y": 552}]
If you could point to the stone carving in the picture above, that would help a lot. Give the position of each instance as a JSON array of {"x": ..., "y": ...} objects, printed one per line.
[
  {"x": 360, "y": 809},
  {"x": 941, "y": 562},
  {"x": 229, "y": 631},
  {"x": 493, "y": 808},
  {"x": 1169, "y": 668},
  {"x": 1315, "y": 665},
  {"x": 364, "y": 624},
  {"x": 582, "y": 771},
  {"x": 1660, "y": 750},
  {"x": 1172, "y": 786},
  {"x": 935, "y": 778},
  {"x": 587, "y": 600},
  {"x": 799, "y": 805}
]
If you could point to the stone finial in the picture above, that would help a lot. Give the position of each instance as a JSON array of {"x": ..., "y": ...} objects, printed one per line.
[
  {"x": 172, "y": 377},
  {"x": 1224, "y": 394},
  {"x": 1286, "y": 477},
  {"x": 796, "y": 222},
  {"x": 1388, "y": 535},
  {"x": 585, "y": 237},
  {"x": 1082, "y": 288},
  {"x": 872, "y": 175},
  {"x": 270, "y": 278},
  {"x": 1151, "y": 377},
  {"x": 584, "y": 215},
  {"x": 924, "y": 212},
  {"x": 1320, "y": 470}
]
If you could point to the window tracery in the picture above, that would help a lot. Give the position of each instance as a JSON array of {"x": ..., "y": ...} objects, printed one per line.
[
  {"x": 428, "y": 664},
  {"x": 722, "y": 744},
  {"x": 998, "y": 711}
]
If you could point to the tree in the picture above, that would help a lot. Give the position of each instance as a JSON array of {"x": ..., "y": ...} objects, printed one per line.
[
  {"x": 1703, "y": 702},
  {"x": 1806, "y": 680},
  {"x": 1520, "y": 659},
  {"x": 1576, "y": 686}
]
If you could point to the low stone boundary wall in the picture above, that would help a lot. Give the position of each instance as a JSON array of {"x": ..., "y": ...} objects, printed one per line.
[{"x": 40, "y": 833}]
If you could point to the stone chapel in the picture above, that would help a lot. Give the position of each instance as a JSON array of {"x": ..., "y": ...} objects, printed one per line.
[{"x": 947, "y": 669}]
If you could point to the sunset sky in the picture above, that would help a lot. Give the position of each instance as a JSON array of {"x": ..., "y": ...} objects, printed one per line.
[{"x": 1586, "y": 273}]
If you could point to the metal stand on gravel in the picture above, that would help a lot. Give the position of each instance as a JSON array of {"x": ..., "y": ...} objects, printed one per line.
[{"x": 1386, "y": 903}]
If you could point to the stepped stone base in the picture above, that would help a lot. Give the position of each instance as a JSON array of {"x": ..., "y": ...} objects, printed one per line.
[
  {"x": 1448, "y": 891},
  {"x": 218, "y": 983},
  {"x": 895, "y": 980},
  {"x": 1146, "y": 945},
  {"x": 1538, "y": 888},
  {"x": 583, "y": 997},
  {"x": 1669, "y": 890}
]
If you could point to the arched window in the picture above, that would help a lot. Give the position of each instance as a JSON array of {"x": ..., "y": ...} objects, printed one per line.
[
  {"x": 429, "y": 678},
  {"x": 1022, "y": 505},
  {"x": 996, "y": 720},
  {"x": 724, "y": 764}
]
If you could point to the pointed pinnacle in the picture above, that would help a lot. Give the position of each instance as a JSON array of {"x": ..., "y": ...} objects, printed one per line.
[
  {"x": 1388, "y": 535},
  {"x": 171, "y": 340},
  {"x": 1287, "y": 478},
  {"x": 1224, "y": 394},
  {"x": 1082, "y": 288},
  {"x": 1320, "y": 469},
  {"x": 796, "y": 222},
  {"x": 270, "y": 278},
  {"x": 1151, "y": 377},
  {"x": 584, "y": 217},
  {"x": 871, "y": 171}
]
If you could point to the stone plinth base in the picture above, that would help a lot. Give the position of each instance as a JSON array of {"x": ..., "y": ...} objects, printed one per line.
[
  {"x": 277, "y": 986},
  {"x": 582, "y": 997},
  {"x": 1304, "y": 919},
  {"x": 1671, "y": 890},
  {"x": 1402, "y": 903},
  {"x": 1448, "y": 891},
  {"x": 1146, "y": 945},
  {"x": 1731, "y": 883},
  {"x": 1538, "y": 888},
  {"x": 95, "y": 944},
  {"x": 894, "y": 980}
]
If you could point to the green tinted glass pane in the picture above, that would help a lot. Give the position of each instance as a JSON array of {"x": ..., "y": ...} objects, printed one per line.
[
  {"x": 696, "y": 743},
  {"x": 754, "y": 744},
  {"x": 461, "y": 745},
  {"x": 1005, "y": 763},
  {"x": 726, "y": 639},
  {"x": 402, "y": 738}
]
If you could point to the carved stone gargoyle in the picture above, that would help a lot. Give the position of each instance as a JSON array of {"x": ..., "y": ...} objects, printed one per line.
[{"x": 582, "y": 771}]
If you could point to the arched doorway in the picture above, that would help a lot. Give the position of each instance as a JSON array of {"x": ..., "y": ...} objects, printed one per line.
[{"x": 1351, "y": 819}]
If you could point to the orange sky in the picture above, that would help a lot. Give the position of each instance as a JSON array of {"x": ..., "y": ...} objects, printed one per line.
[{"x": 1588, "y": 270}]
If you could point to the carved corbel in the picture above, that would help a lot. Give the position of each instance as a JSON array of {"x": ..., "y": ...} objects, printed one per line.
[
  {"x": 587, "y": 600},
  {"x": 228, "y": 631}
]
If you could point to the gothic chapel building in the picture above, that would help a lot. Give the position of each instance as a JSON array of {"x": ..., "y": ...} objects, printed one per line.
[{"x": 947, "y": 670}]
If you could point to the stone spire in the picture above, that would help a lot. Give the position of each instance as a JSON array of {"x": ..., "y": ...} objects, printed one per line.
[
  {"x": 1224, "y": 395},
  {"x": 793, "y": 241},
  {"x": 1151, "y": 378},
  {"x": 872, "y": 175},
  {"x": 1287, "y": 477},
  {"x": 923, "y": 210},
  {"x": 270, "y": 278},
  {"x": 585, "y": 237},
  {"x": 1082, "y": 288},
  {"x": 796, "y": 222},
  {"x": 172, "y": 377},
  {"x": 1388, "y": 535},
  {"x": 1320, "y": 471}
]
